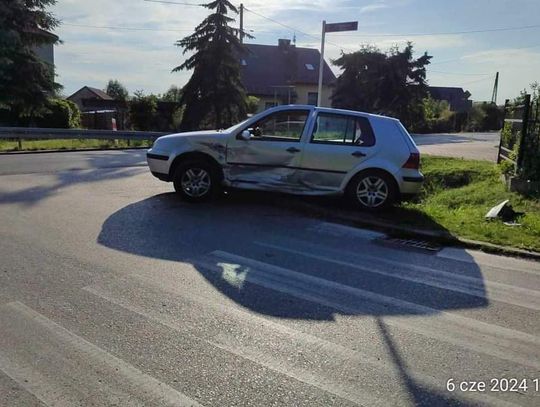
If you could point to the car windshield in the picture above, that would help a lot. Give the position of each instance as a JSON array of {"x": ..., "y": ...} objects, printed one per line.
[{"x": 236, "y": 126}]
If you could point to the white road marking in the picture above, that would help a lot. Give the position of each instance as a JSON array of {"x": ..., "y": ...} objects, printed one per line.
[
  {"x": 63, "y": 369},
  {"x": 333, "y": 352},
  {"x": 491, "y": 260},
  {"x": 335, "y": 229},
  {"x": 426, "y": 275},
  {"x": 504, "y": 343}
]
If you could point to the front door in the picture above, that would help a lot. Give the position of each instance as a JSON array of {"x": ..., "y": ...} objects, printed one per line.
[
  {"x": 270, "y": 158},
  {"x": 338, "y": 143}
]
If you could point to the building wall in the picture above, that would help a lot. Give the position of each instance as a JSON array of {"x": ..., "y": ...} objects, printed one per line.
[
  {"x": 80, "y": 95},
  {"x": 45, "y": 52},
  {"x": 302, "y": 92}
]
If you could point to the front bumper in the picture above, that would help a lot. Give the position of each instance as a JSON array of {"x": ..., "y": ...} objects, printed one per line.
[{"x": 158, "y": 164}]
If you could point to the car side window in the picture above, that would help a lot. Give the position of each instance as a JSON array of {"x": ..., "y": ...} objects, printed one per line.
[
  {"x": 363, "y": 134},
  {"x": 341, "y": 129},
  {"x": 286, "y": 125}
]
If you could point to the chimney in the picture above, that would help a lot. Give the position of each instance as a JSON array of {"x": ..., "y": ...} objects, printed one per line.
[{"x": 284, "y": 44}]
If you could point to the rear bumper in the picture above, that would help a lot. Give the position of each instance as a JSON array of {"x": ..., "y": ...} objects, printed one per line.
[{"x": 411, "y": 185}]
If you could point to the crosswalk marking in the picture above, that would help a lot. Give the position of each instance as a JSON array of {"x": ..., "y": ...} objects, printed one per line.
[
  {"x": 63, "y": 369},
  {"x": 500, "y": 262},
  {"x": 504, "y": 343},
  {"x": 336, "y": 355},
  {"x": 426, "y": 275},
  {"x": 252, "y": 354}
]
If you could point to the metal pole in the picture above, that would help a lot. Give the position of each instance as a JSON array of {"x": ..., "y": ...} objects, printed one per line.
[
  {"x": 241, "y": 23},
  {"x": 506, "y": 103},
  {"x": 321, "y": 64},
  {"x": 524, "y": 128}
]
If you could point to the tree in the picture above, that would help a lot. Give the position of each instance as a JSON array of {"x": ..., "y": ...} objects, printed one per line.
[
  {"x": 116, "y": 90},
  {"x": 391, "y": 83},
  {"x": 214, "y": 95},
  {"x": 252, "y": 103},
  {"x": 142, "y": 111},
  {"x": 26, "y": 81},
  {"x": 174, "y": 94}
]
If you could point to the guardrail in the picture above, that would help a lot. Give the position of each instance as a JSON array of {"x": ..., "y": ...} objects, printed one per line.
[{"x": 32, "y": 133}]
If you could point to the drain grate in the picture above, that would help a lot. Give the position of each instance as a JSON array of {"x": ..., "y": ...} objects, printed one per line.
[{"x": 410, "y": 243}]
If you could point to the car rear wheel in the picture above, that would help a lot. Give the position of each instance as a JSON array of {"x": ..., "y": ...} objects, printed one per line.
[
  {"x": 372, "y": 190},
  {"x": 196, "y": 181}
]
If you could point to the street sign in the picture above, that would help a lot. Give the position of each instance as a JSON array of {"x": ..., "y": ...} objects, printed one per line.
[
  {"x": 331, "y": 28},
  {"x": 335, "y": 27}
]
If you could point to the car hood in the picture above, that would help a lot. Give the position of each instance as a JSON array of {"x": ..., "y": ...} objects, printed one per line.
[{"x": 197, "y": 135}]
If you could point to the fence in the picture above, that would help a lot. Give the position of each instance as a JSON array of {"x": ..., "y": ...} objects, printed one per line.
[{"x": 24, "y": 133}]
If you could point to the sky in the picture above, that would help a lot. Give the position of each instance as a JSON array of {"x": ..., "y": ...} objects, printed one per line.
[{"x": 133, "y": 40}]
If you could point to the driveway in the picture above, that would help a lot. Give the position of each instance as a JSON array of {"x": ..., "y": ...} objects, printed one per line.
[{"x": 478, "y": 146}]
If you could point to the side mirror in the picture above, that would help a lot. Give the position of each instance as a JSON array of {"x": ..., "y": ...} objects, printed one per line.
[{"x": 245, "y": 135}]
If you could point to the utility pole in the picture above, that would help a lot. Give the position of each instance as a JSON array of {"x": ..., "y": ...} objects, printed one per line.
[
  {"x": 495, "y": 89},
  {"x": 241, "y": 23},
  {"x": 321, "y": 64}
]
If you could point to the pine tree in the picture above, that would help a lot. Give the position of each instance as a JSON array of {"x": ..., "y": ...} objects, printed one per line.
[
  {"x": 26, "y": 81},
  {"x": 214, "y": 96}
]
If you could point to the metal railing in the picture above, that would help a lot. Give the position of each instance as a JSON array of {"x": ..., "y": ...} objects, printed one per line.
[{"x": 30, "y": 133}]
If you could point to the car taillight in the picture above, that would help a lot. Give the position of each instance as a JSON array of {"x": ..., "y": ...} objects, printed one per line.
[{"x": 413, "y": 161}]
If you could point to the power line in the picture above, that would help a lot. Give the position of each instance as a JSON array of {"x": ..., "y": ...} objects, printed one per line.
[
  {"x": 294, "y": 29},
  {"x": 477, "y": 80},
  {"x": 111, "y": 27},
  {"x": 526, "y": 27},
  {"x": 176, "y": 2},
  {"x": 460, "y": 73},
  {"x": 464, "y": 57}
]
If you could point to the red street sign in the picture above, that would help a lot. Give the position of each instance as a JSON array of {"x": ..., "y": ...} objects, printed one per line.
[{"x": 334, "y": 27}]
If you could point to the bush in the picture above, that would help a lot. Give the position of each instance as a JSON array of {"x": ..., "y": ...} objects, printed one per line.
[
  {"x": 142, "y": 111},
  {"x": 252, "y": 103},
  {"x": 60, "y": 114}
]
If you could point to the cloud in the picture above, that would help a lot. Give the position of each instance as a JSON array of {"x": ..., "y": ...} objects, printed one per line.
[{"x": 144, "y": 59}]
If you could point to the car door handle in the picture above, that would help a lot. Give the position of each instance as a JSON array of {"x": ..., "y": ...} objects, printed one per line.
[
  {"x": 358, "y": 154},
  {"x": 293, "y": 150}
]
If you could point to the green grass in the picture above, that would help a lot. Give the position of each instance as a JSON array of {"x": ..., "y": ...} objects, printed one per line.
[
  {"x": 456, "y": 197},
  {"x": 70, "y": 144}
]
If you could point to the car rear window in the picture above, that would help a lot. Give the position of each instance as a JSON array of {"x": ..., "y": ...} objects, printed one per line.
[{"x": 343, "y": 129}]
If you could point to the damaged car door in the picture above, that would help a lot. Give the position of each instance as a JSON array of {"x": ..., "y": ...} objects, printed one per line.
[{"x": 266, "y": 154}]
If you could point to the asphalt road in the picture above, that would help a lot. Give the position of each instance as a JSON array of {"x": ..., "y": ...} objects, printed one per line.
[
  {"x": 114, "y": 292},
  {"x": 479, "y": 146}
]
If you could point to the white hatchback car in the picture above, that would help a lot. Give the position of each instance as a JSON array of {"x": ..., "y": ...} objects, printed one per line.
[{"x": 296, "y": 149}]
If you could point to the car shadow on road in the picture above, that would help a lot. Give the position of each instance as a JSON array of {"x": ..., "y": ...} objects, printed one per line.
[{"x": 163, "y": 227}]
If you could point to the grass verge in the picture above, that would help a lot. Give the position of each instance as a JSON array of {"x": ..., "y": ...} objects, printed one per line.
[
  {"x": 70, "y": 144},
  {"x": 456, "y": 196}
]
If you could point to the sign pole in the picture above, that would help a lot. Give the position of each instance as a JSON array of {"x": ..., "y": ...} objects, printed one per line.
[{"x": 321, "y": 65}]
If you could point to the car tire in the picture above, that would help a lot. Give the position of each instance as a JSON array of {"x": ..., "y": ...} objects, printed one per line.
[
  {"x": 196, "y": 181},
  {"x": 372, "y": 190}
]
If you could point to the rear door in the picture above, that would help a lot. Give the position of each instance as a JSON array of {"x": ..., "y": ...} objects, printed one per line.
[
  {"x": 337, "y": 144},
  {"x": 271, "y": 157}
]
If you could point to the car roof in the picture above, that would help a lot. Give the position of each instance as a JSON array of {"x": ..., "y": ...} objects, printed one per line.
[{"x": 332, "y": 110}]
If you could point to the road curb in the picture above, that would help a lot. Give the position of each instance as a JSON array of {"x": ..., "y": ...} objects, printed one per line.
[{"x": 393, "y": 230}]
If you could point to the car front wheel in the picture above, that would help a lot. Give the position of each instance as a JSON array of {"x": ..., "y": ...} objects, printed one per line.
[
  {"x": 196, "y": 181},
  {"x": 372, "y": 190}
]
